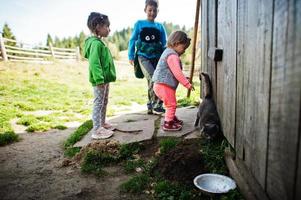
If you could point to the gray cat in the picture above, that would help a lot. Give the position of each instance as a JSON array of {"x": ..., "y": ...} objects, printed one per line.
[{"x": 207, "y": 116}]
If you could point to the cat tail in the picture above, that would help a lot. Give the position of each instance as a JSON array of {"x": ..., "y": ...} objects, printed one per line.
[{"x": 207, "y": 85}]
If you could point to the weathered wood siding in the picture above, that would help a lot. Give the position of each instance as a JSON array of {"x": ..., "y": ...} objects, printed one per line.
[
  {"x": 257, "y": 86},
  {"x": 253, "y": 84},
  {"x": 226, "y": 70},
  {"x": 208, "y": 39},
  {"x": 284, "y": 129}
]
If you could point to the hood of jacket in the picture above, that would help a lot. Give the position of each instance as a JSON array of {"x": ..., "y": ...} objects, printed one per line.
[{"x": 88, "y": 43}]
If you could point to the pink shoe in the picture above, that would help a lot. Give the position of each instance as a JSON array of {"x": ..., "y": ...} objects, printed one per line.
[
  {"x": 178, "y": 121},
  {"x": 171, "y": 126}
]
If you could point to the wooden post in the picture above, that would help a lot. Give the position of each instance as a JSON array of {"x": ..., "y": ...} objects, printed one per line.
[
  {"x": 78, "y": 57},
  {"x": 51, "y": 50},
  {"x": 196, "y": 25},
  {"x": 2, "y": 48}
]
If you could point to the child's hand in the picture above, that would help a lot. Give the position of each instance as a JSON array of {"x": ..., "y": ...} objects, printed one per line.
[{"x": 131, "y": 62}]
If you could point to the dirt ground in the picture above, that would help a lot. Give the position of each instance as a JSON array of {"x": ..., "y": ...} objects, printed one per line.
[
  {"x": 181, "y": 164},
  {"x": 32, "y": 169}
]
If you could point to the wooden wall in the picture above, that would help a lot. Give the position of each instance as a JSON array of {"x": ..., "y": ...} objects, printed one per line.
[{"x": 257, "y": 86}]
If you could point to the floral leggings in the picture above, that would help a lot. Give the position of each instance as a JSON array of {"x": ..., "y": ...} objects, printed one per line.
[{"x": 101, "y": 94}]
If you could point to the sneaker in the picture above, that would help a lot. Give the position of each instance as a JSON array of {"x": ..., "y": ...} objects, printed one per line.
[
  {"x": 102, "y": 133},
  {"x": 149, "y": 111},
  {"x": 178, "y": 121},
  {"x": 171, "y": 126},
  {"x": 159, "y": 111}
]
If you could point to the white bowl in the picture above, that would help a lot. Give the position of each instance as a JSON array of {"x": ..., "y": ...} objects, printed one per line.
[{"x": 214, "y": 183}]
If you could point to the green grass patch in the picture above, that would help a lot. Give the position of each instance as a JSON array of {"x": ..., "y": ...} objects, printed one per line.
[
  {"x": 167, "y": 144},
  {"x": 131, "y": 165},
  {"x": 136, "y": 184},
  {"x": 71, "y": 151},
  {"x": 8, "y": 137},
  {"x": 94, "y": 162},
  {"x": 165, "y": 190},
  {"x": 213, "y": 154},
  {"x": 76, "y": 136},
  {"x": 79, "y": 133},
  {"x": 60, "y": 127},
  {"x": 64, "y": 89},
  {"x": 128, "y": 150}
]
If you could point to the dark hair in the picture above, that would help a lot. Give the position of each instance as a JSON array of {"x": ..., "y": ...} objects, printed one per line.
[
  {"x": 154, "y": 3},
  {"x": 96, "y": 18}
]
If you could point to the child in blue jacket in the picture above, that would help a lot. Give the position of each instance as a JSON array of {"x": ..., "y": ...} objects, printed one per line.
[{"x": 148, "y": 39}]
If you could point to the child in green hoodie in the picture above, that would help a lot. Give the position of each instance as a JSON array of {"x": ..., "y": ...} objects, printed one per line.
[{"x": 101, "y": 72}]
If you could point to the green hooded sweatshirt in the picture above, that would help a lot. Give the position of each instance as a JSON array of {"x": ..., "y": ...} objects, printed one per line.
[{"x": 101, "y": 65}]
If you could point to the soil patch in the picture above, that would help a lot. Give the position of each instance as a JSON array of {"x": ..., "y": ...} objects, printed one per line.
[
  {"x": 34, "y": 169},
  {"x": 182, "y": 163}
]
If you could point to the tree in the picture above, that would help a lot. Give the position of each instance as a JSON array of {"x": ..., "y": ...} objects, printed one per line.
[
  {"x": 49, "y": 40},
  {"x": 81, "y": 41},
  {"x": 7, "y": 33}
]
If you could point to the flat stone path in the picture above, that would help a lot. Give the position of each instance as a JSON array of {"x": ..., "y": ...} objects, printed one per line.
[{"x": 137, "y": 127}]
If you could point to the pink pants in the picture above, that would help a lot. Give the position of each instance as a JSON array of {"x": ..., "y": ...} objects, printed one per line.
[{"x": 168, "y": 96}]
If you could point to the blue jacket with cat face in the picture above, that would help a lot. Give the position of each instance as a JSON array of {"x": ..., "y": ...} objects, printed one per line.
[{"x": 148, "y": 38}]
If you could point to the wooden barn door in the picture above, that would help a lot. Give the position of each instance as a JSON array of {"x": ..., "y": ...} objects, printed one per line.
[{"x": 226, "y": 69}]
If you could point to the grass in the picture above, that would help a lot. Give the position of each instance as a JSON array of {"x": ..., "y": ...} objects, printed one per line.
[
  {"x": 162, "y": 189},
  {"x": 128, "y": 150},
  {"x": 7, "y": 138},
  {"x": 213, "y": 154},
  {"x": 64, "y": 89},
  {"x": 136, "y": 184},
  {"x": 76, "y": 136},
  {"x": 167, "y": 144},
  {"x": 94, "y": 162},
  {"x": 166, "y": 190}
]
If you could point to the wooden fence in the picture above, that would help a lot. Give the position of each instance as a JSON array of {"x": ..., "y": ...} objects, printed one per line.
[{"x": 12, "y": 50}]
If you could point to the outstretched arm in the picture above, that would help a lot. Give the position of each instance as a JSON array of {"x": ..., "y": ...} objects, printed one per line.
[{"x": 173, "y": 62}]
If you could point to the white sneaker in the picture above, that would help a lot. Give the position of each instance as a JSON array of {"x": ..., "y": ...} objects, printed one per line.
[{"x": 102, "y": 133}]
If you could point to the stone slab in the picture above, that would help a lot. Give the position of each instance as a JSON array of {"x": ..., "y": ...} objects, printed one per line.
[
  {"x": 188, "y": 115},
  {"x": 129, "y": 128}
]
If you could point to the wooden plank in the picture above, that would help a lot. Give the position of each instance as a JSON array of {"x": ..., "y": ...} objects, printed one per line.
[
  {"x": 32, "y": 61},
  {"x": 226, "y": 69},
  {"x": 2, "y": 49},
  {"x": 204, "y": 40},
  {"x": 64, "y": 53},
  {"x": 27, "y": 49},
  {"x": 298, "y": 63},
  {"x": 212, "y": 42},
  {"x": 204, "y": 35},
  {"x": 241, "y": 87},
  {"x": 27, "y": 53},
  {"x": 64, "y": 49},
  {"x": 284, "y": 140},
  {"x": 248, "y": 186},
  {"x": 253, "y": 85},
  {"x": 23, "y": 58}
]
